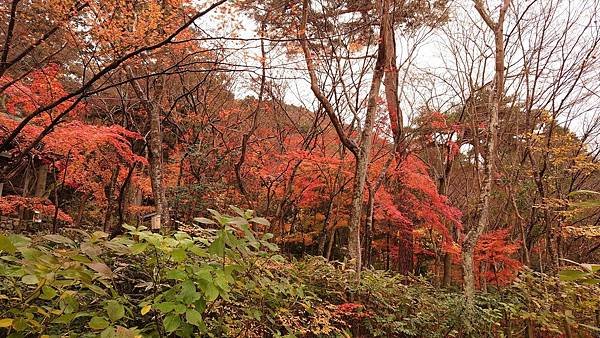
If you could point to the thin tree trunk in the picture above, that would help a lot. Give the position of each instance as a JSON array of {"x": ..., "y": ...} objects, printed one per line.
[
  {"x": 369, "y": 227},
  {"x": 110, "y": 200},
  {"x": 362, "y": 151},
  {"x": 26, "y": 181},
  {"x": 330, "y": 244},
  {"x": 472, "y": 236},
  {"x": 80, "y": 209},
  {"x": 155, "y": 157},
  {"x": 40, "y": 184}
]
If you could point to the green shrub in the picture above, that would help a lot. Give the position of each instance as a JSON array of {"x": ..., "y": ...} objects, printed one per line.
[{"x": 229, "y": 281}]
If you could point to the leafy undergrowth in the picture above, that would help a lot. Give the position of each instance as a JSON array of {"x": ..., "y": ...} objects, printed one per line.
[{"x": 230, "y": 282}]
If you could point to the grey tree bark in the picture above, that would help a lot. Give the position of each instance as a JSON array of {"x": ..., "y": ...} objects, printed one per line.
[{"x": 470, "y": 239}]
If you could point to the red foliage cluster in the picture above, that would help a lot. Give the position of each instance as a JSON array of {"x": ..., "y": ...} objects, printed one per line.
[
  {"x": 84, "y": 155},
  {"x": 494, "y": 249},
  {"x": 10, "y": 205},
  {"x": 353, "y": 311}
]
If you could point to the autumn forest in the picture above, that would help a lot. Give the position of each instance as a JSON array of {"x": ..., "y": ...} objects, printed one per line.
[{"x": 307, "y": 168}]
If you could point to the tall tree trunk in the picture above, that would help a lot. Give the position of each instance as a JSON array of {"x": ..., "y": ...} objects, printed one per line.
[
  {"x": 156, "y": 167},
  {"x": 155, "y": 157},
  {"x": 495, "y": 104},
  {"x": 362, "y": 151},
  {"x": 369, "y": 227}
]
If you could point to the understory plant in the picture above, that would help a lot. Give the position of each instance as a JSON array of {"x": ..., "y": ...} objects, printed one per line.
[{"x": 223, "y": 278}]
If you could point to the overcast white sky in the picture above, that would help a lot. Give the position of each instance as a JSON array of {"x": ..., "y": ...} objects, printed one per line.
[{"x": 433, "y": 76}]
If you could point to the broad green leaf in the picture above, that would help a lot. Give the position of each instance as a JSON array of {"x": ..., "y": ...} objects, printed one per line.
[
  {"x": 59, "y": 239},
  {"x": 178, "y": 255},
  {"x": 584, "y": 192},
  {"x": 217, "y": 247},
  {"x": 47, "y": 293},
  {"x": 179, "y": 309},
  {"x": 204, "y": 220},
  {"x": 211, "y": 292},
  {"x": 188, "y": 292},
  {"x": 30, "y": 279},
  {"x": 176, "y": 274},
  {"x": 165, "y": 307},
  {"x": 138, "y": 248},
  {"x": 98, "y": 323},
  {"x": 64, "y": 319},
  {"x": 6, "y": 245},
  {"x": 171, "y": 323},
  {"x": 115, "y": 310},
  {"x": 19, "y": 241},
  {"x": 571, "y": 275},
  {"x": 193, "y": 317},
  {"x": 591, "y": 281}
]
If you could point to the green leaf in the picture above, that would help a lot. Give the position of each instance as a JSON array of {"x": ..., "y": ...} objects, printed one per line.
[
  {"x": 204, "y": 220},
  {"x": 178, "y": 255},
  {"x": 571, "y": 275},
  {"x": 115, "y": 310},
  {"x": 138, "y": 248},
  {"x": 584, "y": 192},
  {"x": 64, "y": 319},
  {"x": 6, "y": 245},
  {"x": 188, "y": 292},
  {"x": 217, "y": 247},
  {"x": 19, "y": 241},
  {"x": 47, "y": 293},
  {"x": 193, "y": 317},
  {"x": 59, "y": 239},
  {"x": 109, "y": 332},
  {"x": 260, "y": 220},
  {"x": 165, "y": 307},
  {"x": 211, "y": 292},
  {"x": 179, "y": 309},
  {"x": 176, "y": 274},
  {"x": 238, "y": 210},
  {"x": 171, "y": 323},
  {"x": 180, "y": 235},
  {"x": 30, "y": 279},
  {"x": 98, "y": 323},
  {"x": 591, "y": 281}
]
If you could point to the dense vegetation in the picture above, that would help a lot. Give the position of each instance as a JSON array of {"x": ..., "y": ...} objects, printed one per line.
[
  {"x": 423, "y": 168},
  {"x": 228, "y": 282}
]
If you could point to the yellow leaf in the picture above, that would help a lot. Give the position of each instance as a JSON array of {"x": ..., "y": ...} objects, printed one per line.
[
  {"x": 6, "y": 322},
  {"x": 145, "y": 309}
]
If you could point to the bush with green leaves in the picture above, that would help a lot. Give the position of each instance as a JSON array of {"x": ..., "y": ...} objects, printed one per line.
[
  {"x": 226, "y": 280},
  {"x": 141, "y": 283}
]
